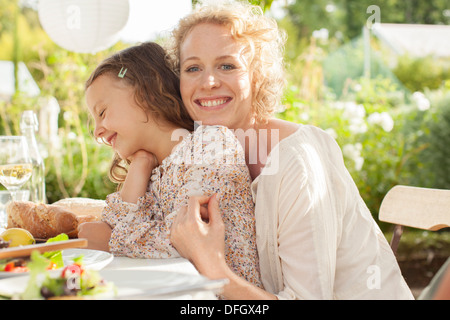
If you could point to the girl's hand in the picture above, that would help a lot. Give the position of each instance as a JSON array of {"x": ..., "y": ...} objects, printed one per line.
[
  {"x": 138, "y": 176},
  {"x": 144, "y": 156},
  {"x": 97, "y": 233}
]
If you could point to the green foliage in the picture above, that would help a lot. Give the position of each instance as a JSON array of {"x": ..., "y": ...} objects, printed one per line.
[
  {"x": 308, "y": 16},
  {"x": 76, "y": 165},
  {"x": 419, "y": 244},
  {"x": 431, "y": 166},
  {"x": 418, "y": 74},
  {"x": 359, "y": 111},
  {"x": 264, "y": 4},
  {"x": 347, "y": 62},
  {"x": 7, "y": 16},
  {"x": 387, "y": 137},
  {"x": 79, "y": 166}
]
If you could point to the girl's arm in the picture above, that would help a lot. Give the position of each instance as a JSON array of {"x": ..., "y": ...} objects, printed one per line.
[
  {"x": 98, "y": 233},
  {"x": 138, "y": 176}
]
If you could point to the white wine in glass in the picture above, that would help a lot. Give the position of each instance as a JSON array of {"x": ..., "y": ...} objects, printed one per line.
[{"x": 15, "y": 163}]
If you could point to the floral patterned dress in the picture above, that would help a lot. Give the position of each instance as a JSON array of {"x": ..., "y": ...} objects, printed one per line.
[{"x": 209, "y": 160}]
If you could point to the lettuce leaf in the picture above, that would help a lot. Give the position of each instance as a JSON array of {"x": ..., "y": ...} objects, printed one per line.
[
  {"x": 59, "y": 237},
  {"x": 37, "y": 266},
  {"x": 56, "y": 256}
]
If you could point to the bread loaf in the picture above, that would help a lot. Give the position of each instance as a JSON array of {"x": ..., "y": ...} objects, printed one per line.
[
  {"x": 82, "y": 206},
  {"x": 43, "y": 221},
  {"x": 46, "y": 221}
]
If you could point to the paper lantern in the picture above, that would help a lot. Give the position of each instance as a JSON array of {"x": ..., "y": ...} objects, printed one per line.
[{"x": 85, "y": 26}]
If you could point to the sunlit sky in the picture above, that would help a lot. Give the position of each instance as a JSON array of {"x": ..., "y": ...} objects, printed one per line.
[{"x": 149, "y": 18}]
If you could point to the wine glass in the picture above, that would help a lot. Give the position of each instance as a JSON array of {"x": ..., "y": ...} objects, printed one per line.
[{"x": 15, "y": 163}]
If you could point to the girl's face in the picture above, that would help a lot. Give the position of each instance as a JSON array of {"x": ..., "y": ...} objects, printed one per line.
[
  {"x": 216, "y": 85},
  {"x": 119, "y": 121}
]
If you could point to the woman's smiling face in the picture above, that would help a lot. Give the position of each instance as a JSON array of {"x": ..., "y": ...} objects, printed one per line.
[{"x": 215, "y": 80}]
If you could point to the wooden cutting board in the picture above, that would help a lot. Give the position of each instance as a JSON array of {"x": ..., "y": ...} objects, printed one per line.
[{"x": 25, "y": 251}]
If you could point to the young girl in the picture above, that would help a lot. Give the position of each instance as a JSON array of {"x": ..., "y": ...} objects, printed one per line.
[{"x": 134, "y": 99}]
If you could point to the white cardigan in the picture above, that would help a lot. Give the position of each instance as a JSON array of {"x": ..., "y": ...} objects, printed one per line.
[{"x": 316, "y": 238}]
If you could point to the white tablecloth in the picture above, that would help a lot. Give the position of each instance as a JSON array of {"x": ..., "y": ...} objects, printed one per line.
[
  {"x": 136, "y": 278},
  {"x": 171, "y": 265}
]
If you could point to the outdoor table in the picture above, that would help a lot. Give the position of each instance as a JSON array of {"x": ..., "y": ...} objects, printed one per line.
[
  {"x": 182, "y": 279},
  {"x": 139, "y": 279}
]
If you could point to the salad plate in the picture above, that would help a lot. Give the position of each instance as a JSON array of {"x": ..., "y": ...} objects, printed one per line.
[{"x": 92, "y": 259}]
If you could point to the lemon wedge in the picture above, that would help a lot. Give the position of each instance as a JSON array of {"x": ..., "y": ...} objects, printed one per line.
[{"x": 18, "y": 237}]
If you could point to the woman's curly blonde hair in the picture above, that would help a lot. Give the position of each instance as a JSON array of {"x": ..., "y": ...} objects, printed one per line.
[{"x": 264, "y": 42}]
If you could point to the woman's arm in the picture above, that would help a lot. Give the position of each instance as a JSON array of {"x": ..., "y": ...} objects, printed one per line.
[{"x": 198, "y": 234}]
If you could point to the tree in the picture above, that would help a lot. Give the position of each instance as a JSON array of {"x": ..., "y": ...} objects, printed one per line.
[{"x": 347, "y": 17}]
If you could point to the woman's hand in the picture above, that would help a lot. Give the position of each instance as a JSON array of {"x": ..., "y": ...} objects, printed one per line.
[
  {"x": 198, "y": 234},
  {"x": 97, "y": 233}
]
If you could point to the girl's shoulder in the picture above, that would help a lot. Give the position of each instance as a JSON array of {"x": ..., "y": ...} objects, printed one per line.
[
  {"x": 217, "y": 132},
  {"x": 209, "y": 145},
  {"x": 214, "y": 136}
]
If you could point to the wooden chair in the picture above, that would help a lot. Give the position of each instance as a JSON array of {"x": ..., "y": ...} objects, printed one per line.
[{"x": 421, "y": 208}]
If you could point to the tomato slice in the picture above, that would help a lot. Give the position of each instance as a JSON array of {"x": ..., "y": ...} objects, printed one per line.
[
  {"x": 52, "y": 266},
  {"x": 72, "y": 269},
  {"x": 9, "y": 267},
  {"x": 20, "y": 269}
]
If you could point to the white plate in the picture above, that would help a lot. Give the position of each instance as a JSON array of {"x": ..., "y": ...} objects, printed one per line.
[
  {"x": 92, "y": 259},
  {"x": 12, "y": 285},
  {"x": 140, "y": 284}
]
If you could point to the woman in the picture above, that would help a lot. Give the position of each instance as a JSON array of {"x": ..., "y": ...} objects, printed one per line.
[{"x": 316, "y": 238}]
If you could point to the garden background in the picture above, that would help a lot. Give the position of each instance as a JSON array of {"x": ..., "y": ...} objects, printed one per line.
[{"x": 390, "y": 113}]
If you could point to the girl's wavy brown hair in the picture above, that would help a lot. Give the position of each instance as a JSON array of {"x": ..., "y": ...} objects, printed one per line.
[
  {"x": 264, "y": 42},
  {"x": 156, "y": 89}
]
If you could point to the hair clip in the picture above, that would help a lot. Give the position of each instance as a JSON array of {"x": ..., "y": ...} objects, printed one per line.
[{"x": 122, "y": 73}]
